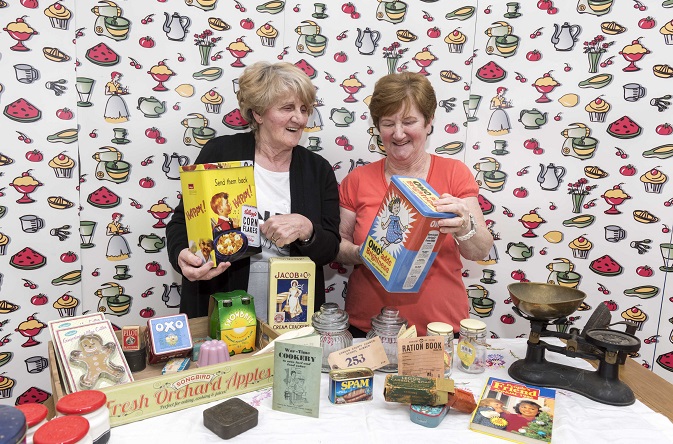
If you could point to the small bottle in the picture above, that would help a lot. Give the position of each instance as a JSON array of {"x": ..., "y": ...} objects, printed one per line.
[
  {"x": 331, "y": 323},
  {"x": 12, "y": 425},
  {"x": 387, "y": 326},
  {"x": 70, "y": 429},
  {"x": 36, "y": 416},
  {"x": 471, "y": 348},
  {"x": 89, "y": 404},
  {"x": 446, "y": 331}
]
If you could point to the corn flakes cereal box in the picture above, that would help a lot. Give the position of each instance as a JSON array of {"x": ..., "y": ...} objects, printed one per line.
[
  {"x": 291, "y": 292},
  {"x": 404, "y": 238},
  {"x": 221, "y": 210}
]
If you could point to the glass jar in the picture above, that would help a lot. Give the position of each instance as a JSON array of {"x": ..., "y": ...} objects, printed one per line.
[
  {"x": 471, "y": 348},
  {"x": 92, "y": 405},
  {"x": 70, "y": 429},
  {"x": 387, "y": 325},
  {"x": 331, "y": 323},
  {"x": 36, "y": 416},
  {"x": 446, "y": 331}
]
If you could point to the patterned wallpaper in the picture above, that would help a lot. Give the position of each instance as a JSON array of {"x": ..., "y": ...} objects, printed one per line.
[{"x": 560, "y": 108}]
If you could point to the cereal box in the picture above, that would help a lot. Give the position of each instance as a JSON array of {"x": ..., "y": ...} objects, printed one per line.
[
  {"x": 404, "y": 238},
  {"x": 221, "y": 210},
  {"x": 291, "y": 288}
]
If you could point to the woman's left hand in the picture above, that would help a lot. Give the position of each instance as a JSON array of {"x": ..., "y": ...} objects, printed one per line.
[
  {"x": 283, "y": 229},
  {"x": 458, "y": 225}
]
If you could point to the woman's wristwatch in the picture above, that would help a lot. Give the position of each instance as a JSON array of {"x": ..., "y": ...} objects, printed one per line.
[
  {"x": 469, "y": 234},
  {"x": 306, "y": 241}
]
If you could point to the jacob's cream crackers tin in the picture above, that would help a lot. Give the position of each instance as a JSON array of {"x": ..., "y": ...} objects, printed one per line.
[
  {"x": 404, "y": 238},
  {"x": 221, "y": 210},
  {"x": 291, "y": 292}
]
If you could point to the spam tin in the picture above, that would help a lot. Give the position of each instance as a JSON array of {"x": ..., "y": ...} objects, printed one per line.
[
  {"x": 427, "y": 415},
  {"x": 351, "y": 385},
  {"x": 404, "y": 237}
]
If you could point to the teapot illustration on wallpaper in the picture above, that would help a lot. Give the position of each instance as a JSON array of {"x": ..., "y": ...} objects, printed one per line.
[
  {"x": 176, "y": 26},
  {"x": 565, "y": 36},
  {"x": 367, "y": 41},
  {"x": 172, "y": 164},
  {"x": 550, "y": 176}
]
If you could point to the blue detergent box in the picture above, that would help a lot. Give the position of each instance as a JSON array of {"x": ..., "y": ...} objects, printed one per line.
[
  {"x": 168, "y": 337},
  {"x": 404, "y": 238}
]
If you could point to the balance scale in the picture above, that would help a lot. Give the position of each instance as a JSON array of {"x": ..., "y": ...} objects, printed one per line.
[{"x": 547, "y": 305}]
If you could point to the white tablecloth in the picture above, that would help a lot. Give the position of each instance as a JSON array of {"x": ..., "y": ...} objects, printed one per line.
[{"x": 576, "y": 420}]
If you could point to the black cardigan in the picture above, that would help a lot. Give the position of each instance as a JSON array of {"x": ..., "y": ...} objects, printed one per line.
[{"x": 314, "y": 194}]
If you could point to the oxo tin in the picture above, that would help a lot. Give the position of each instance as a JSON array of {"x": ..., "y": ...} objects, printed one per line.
[{"x": 351, "y": 385}]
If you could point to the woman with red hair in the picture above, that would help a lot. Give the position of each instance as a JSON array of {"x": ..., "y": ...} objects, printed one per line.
[
  {"x": 117, "y": 248},
  {"x": 499, "y": 124},
  {"x": 115, "y": 109}
]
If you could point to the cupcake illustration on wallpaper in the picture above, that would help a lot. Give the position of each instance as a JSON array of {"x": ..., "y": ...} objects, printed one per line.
[
  {"x": 653, "y": 181},
  {"x": 580, "y": 247},
  {"x": 6, "y": 387},
  {"x": 267, "y": 34},
  {"x": 59, "y": 15},
  {"x": 635, "y": 315},
  {"x": 456, "y": 41},
  {"x": 63, "y": 166},
  {"x": 597, "y": 109},
  {"x": 213, "y": 101},
  {"x": 4, "y": 240},
  {"x": 66, "y": 305}
]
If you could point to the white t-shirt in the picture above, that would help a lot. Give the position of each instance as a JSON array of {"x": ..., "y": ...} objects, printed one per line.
[{"x": 273, "y": 197}]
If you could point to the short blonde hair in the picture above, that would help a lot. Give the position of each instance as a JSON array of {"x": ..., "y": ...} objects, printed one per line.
[
  {"x": 395, "y": 92},
  {"x": 263, "y": 83}
]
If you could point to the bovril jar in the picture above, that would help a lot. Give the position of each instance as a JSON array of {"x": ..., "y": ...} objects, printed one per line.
[
  {"x": 471, "y": 348},
  {"x": 89, "y": 404},
  {"x": 446, "y": 331}
]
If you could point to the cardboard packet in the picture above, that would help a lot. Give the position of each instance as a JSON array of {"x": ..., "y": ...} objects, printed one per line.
[
  {"x": 404, "y": 238},
  {"x": 291, "y": 292},
  {"x": 221, "y": 210},
  {"x": 233, "y": 321}
]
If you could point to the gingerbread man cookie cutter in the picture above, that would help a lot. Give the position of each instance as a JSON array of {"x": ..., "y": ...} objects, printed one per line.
[{"x": 95, "y": 358}]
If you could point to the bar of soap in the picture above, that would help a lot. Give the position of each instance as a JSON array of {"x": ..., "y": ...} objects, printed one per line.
[{"x": 230, "y": 418}]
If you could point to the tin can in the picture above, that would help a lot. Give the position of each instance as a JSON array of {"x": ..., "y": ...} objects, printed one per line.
[
  {"x": 426, "y": 415},
  {"x": 351, "y": 385},
  {"x": 446, "y": 331}
]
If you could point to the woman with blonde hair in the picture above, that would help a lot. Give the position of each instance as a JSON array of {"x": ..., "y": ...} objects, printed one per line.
[{"x": 296, "y": 190}]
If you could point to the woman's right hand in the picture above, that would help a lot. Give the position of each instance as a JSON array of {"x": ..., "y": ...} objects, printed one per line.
[{"x": 194, "y": 269}]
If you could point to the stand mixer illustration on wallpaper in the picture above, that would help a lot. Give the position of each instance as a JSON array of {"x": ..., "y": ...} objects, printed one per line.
[
  {"x": 111, "y": 166},
  {"x": 310, "y": 40},
  {"x": 501, "y": 41},
  {"x": 577, "y": 141},
  {"x": 109, "y": 21}
]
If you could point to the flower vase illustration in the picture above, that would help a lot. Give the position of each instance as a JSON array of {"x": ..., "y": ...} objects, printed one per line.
[
  {"x": 595, "y": 50},
  {"x": 205, "y": 42},
  {"x": 578, "y": 192},
  {"x": 393, "y": 54}
]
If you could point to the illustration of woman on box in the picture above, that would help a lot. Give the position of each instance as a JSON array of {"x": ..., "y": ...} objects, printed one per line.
[
  {"x": 117, "y": 248},
  {"x": 296, "y": 192},
  {"x": 220, "y": 205},
  {"x": 393, "y": 226},
  {"x": 293, "y": 305},
  {"x": 402, "y": 108},
  {"x": 115, "y": 109},
  {"x": 489, "y": 413}
]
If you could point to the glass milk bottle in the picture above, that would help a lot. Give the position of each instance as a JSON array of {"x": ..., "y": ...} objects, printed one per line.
[
  {"x": 387, "y": 325},
  {"x": 332, "y": 324}
]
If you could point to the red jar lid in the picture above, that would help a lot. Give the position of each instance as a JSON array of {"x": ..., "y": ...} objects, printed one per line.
[
  {"x": 62, "y": 430},
  {"x": 35, "y": 413},
  {"x": 81, "y": 403}
]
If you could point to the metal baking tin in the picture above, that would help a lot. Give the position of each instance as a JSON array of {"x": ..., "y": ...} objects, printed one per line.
[
  {"x": 351, "y": 385},
  {"x": 230, "y": 418},
  {"x": 426, "y": 415}
]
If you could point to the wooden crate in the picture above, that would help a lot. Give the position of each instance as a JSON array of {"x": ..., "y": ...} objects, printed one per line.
[{"x": 153, "y": 394}]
